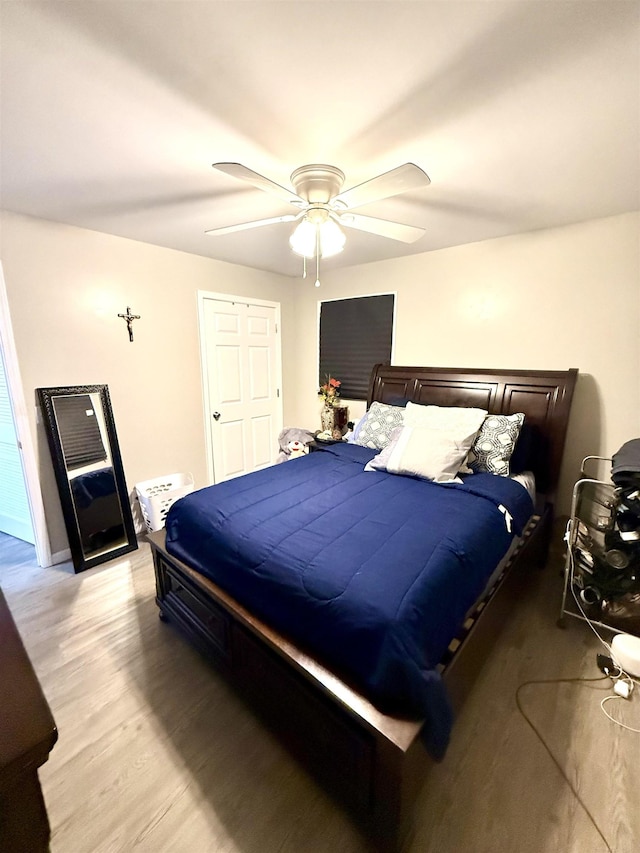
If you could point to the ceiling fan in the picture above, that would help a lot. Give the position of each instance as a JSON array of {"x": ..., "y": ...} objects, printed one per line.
[{"x": 323, "y": 208}]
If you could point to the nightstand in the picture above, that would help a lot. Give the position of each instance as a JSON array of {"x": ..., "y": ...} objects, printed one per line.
[{"x": 318, "y": 445}]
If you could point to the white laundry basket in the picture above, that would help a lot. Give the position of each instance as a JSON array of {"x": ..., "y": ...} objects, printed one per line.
[{"x": 156, "y": 497}]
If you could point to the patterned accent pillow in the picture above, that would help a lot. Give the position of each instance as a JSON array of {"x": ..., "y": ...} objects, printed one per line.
[
  {"x": 380, "y": 422},
  {"x": 495, "y": 443}
]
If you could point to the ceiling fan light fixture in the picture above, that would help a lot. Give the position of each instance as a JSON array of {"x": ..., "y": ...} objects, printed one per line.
[
  {"x": 304, "y": 240},
  {"x": 332, "y": 238}
]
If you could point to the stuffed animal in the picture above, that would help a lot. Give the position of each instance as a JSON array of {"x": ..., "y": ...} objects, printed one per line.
[{"x": 296, "y": 448}]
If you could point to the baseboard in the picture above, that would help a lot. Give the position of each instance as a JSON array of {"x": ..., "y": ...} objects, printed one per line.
[{"x": 60, "y": 556}]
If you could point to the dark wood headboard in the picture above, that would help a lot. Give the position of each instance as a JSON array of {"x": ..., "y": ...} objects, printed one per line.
[{"x": 543, "y": 395}]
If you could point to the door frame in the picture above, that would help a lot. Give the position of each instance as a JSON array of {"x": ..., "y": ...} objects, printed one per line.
[
  {"x": 202, "y": 296},
  {"x": 23, "y": 432}
]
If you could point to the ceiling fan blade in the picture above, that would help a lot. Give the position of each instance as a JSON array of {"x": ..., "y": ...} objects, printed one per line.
[
  {"x": 400, "y": 180},
  {"x": 237, "y": 170},
  {"x": 382, "y": 227},
  {"x": 258, "y": 223}
]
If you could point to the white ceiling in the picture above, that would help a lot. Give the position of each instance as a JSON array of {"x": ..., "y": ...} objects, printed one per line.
[{"x": 524, "y": 114}]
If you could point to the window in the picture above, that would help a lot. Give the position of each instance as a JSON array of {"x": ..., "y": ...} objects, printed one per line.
[{"x": 355, "y": 334}]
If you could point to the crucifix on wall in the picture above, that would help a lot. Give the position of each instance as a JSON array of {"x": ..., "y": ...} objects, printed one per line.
[{"x": 129, "y": 317}]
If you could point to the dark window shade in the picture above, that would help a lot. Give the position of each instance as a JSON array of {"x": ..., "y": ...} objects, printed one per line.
[
  {"x": 355, "y": 334},
  {"x": 79, "y": 431}
]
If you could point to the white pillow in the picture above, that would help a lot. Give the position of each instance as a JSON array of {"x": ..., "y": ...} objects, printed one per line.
[
  {"x": 433, "y": 454},
  {"x": 457, "y": 419},
  {"x": 379, "y": 462}
]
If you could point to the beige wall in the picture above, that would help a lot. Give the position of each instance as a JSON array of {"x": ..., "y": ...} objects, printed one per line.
[
  {"x": 567, "y": 297},
  {"x": 554, "y": 299},
  {"x": 65, "y": 287}
]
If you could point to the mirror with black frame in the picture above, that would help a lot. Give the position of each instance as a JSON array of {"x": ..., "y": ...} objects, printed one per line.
[{"x": 82, "y": 438}]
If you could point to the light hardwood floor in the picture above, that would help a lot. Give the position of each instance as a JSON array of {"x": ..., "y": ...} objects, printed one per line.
[{"x": 156, "y": 752}]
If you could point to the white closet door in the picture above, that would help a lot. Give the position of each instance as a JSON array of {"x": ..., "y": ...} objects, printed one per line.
[{"x": 242, "y": 385}]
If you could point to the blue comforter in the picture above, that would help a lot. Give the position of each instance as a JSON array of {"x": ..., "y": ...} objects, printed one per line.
[
  {"x": 89, "y": 487},
  {"x": 372, "y": 572}
]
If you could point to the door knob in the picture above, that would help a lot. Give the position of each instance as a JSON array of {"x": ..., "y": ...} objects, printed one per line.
[{"x": 216, "y": 416}]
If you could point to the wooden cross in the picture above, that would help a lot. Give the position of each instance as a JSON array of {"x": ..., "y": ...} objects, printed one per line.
[{"x": 129, "y": 317}]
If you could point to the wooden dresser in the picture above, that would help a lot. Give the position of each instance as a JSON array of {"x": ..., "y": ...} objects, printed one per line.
[{"x": 27, "y": 735}]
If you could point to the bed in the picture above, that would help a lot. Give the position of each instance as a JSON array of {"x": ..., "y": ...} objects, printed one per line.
[{"x": 322, "y": 594}]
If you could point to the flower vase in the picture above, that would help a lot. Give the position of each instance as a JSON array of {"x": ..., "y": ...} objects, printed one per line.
[
  {"x": 327, "y": 418},
  {"x": 334, "y": 419}
]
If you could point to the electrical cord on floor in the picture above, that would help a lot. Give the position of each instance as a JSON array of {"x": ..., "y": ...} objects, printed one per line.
[
  {"x": 613, "y": 719},
  {"x": 536, "y": 731}
]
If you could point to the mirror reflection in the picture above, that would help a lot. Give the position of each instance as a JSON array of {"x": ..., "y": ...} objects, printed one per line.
[
  {"x": 90, "y": 472},
  {"x": 83, "y": 443}
]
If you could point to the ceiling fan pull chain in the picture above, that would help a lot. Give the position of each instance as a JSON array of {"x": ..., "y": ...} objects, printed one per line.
[{"x": 304, "y": 266}]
